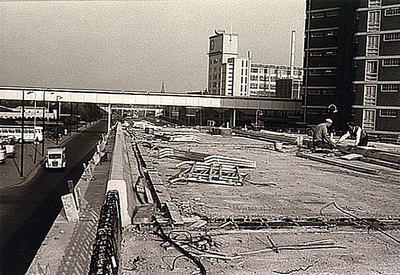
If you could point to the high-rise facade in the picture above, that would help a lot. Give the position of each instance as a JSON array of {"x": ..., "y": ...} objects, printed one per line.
[
  {"x": 229, "y": 75},
  {"x": 223, "y": 47},
  {"x": 376, "y": 62},
  {"x": 351, "y": 62}
]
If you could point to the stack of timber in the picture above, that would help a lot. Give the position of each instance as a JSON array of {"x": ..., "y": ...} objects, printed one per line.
[
  {"x": 243, "y": 163},
  {"x": 177, "y": 138},
  {"x": 371, "y": 152},
  {"x": 337, "y": 162},
  {"x": 181, "y": 154},
  {"x": 272, "y": 136}
]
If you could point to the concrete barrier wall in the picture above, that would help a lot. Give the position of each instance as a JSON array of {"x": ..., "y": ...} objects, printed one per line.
[{"x": 120, "y": 175}]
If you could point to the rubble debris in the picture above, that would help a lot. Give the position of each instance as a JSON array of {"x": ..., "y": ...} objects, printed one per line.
[
  {"x": 165, "y": 237},
  {"x": 294, "y": 270},
  {"x": 362, "y": 220},
  {"x": 143, "y": 213}
]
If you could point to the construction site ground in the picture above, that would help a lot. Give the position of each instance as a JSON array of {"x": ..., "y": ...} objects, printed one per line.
[{"x": 291, "y": 215}]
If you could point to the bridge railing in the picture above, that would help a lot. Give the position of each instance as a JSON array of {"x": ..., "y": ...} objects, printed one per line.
[{"x": 106, "y": 249}]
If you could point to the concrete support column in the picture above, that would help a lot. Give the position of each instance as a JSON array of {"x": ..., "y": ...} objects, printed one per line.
[
  {"x": 109, "y": 117},
  {"x": 232, "y": 119}
]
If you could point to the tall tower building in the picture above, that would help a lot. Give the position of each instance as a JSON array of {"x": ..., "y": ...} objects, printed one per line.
[
  {"x": 223, "y": 46},
  {"x": 351, "y": 61}
]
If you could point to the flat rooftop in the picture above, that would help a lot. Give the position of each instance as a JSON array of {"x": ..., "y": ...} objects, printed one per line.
[{"x": 288, "y": 214}]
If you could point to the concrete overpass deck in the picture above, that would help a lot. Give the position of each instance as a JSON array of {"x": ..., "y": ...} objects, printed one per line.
[{"x": 282, "y": 188}]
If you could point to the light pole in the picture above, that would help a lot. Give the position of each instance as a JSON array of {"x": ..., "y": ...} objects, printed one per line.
[
  {"x": 21, "y": 172},
  {"x": 44, "y": 117},
  {"x": 58, "y": 116},
  {"x": 34, "y": 129}
]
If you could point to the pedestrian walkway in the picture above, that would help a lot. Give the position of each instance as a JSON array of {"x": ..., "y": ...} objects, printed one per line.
[{"x": 67, "y": 248}]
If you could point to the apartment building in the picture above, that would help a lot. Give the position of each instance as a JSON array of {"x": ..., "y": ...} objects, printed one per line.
[
  {"x": 351, "y": 62},
  {"x": 376, "y": 84},
  {"x": 230, "y": 75}
]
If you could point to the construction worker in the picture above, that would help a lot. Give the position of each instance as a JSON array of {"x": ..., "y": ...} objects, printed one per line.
[
  {"x": 356, "y": 132},
  {"x": 321, "y": 138}
]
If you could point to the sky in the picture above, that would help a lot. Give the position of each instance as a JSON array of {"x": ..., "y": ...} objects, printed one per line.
[{"x": 137, "y": 45}]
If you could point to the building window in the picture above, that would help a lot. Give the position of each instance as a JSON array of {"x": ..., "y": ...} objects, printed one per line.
[
  {"x": 332, "y": 13},
  {"x": 329, "y": 92},
  {"x": 356, "y": 40},
  {"x": 314, "y": 111},
  {"x": 317, "y": 34},
  {"x": 331, "y": 33},
  {"x": 374, "y": 3},
  {"x": 315, "y": 92},
  {"x": 370, "y": 95},
  {"x": 388, "y": 113},
  {"x": 330, "y": 52},
  {"x": 316, "y": 53},
  {"x": 374, "y": 19},
  {"x": 371, "y": 70},
  {"x": 392, "y": 11},
  {"x": 317, "y": 15},
  {"x": 356, "y": 17},
  {"x": 315, "y": 73},
  {"x": 329, "y": 72},
  {"x": 389, "y": 88},
  {"x": 372, "y": 45},
  {"x": 369, "y": 119},
  {"x": 254, "y": 70},
  {"x": 392, "y": 62},
  {"x": 391, "y": 37}
]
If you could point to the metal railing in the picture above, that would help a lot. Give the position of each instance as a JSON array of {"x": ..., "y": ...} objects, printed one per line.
[{"x": 106, "y": 249}]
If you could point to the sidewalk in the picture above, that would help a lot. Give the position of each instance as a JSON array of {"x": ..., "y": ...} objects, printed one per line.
[{"x": 67, "y": 248}]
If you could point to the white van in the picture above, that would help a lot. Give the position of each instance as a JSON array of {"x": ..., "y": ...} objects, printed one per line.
[
  {"x": 2, "y": 154},
  {"x": 9, "y": 145},
  {"x": 55, "y": 158}
]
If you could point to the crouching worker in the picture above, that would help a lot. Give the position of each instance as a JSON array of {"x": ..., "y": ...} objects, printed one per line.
[
  {"x": 321, "y": 138},
  {"x": 356, "y": 132}
]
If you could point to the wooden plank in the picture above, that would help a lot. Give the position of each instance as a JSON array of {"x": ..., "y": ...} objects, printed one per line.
[
  {"x": 371, "y": 153},
  {"x": 174, "y": 213},
  {"x": 338, "y": 163}
]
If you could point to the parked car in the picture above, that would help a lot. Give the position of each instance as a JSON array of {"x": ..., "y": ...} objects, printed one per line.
[{"x": 9, "y": 145}]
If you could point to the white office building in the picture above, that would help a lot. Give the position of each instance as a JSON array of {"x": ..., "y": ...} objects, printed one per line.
[{"x": 229, "y": 75}]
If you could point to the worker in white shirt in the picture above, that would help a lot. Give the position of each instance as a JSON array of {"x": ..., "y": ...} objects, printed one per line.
[{"x": 355, "y": 132}]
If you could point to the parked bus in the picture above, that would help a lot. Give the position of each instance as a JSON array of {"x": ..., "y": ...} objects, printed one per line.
[{"x": 31, "y": 133}]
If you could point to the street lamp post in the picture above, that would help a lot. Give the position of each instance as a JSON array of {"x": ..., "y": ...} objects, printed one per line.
[
  {"x": 58, "y": 116},
  {"x": 22, "y": 134},
  {"x": 44, "y": 119}
]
